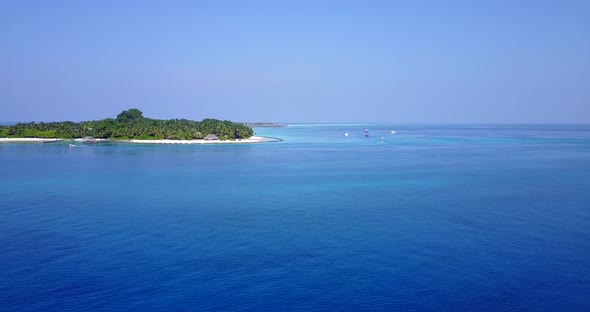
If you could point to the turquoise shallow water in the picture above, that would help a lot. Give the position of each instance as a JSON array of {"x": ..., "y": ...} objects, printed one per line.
[{"x": 435, "y": 217}]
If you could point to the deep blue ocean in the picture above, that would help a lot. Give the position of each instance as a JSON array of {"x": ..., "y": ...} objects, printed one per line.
[{"x": 431, "y": 218}]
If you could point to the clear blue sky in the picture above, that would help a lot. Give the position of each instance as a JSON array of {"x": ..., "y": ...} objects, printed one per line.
[{"x": 297, "y": 61}]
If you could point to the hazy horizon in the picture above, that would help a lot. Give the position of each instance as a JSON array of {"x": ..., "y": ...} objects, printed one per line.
[
  {"x": 294, "y": 123},
  {"x": 306, "y": 62}
]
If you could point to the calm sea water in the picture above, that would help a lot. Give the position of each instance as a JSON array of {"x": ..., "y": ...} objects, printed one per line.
[{"x": 440, "y": 218}]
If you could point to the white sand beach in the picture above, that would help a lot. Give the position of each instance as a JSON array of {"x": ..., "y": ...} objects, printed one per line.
[
  {"x": 95, "y": 140},
  {"x": 253, "y": 139}
]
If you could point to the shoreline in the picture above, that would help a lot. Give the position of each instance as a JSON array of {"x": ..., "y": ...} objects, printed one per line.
[{"x": 252, "y": 139}]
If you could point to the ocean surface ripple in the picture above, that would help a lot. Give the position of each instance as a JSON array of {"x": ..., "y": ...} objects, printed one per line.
[{"x": 433, "y": 217}]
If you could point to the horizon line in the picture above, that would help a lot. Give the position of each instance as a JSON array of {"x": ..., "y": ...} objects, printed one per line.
[{"x": 7, "y": 123}]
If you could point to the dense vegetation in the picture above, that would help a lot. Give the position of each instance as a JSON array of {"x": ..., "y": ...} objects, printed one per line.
[{"x": 130, "y": 124}]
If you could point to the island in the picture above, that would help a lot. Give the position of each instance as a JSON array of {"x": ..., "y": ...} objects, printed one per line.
[{"x": 131, "y": 126}]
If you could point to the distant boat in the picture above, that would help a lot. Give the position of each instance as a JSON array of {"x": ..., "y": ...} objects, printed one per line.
[
  {"x": 72, "y": 145},
  {"x": 366, "y": 131},
  {"x": 345, "y": 133},
  {"x": 392, "y": 132}
]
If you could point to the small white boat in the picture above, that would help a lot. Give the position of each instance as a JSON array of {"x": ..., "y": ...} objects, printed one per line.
[
  {"x": 393, "y": 132},
  {"x": 345, "y": 133}
]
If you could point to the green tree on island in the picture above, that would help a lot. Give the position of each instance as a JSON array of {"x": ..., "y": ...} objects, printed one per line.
[
  {"x": 130, "y": 124},
  {"x": 133, "y": 114}
]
